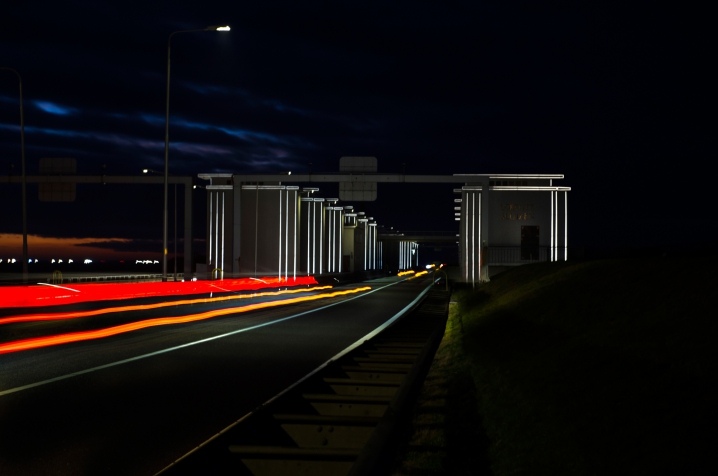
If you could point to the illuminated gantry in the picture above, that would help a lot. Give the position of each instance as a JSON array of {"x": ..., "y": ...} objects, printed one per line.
[{"x": 258, "y": 225}]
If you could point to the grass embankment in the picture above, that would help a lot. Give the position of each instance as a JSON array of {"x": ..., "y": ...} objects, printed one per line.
[{"x": 589, "y": 368}]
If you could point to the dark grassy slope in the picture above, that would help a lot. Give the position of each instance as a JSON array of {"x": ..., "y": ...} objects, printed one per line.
[{"x": 599, "y": 367}]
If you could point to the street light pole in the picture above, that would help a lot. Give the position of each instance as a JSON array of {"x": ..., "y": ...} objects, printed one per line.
[
  {"x": 24, "y": 182},
  {"x": 146, "y": 171},
  {"x": 175, "y": 240},
  {"x": 167, "y": 141}
]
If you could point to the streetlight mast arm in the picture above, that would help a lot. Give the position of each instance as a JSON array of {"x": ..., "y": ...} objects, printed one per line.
[{"x": 167, "y": 140}]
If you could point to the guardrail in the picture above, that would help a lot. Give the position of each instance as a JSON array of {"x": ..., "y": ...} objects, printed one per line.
[
  {"x": 513, "y": 255},
  {"x": 106, "y": 278}
]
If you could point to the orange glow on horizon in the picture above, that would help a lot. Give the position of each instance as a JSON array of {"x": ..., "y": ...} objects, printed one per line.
[
  {"x": 43, "y": 247},
  {"x": 46, "y": 341}
]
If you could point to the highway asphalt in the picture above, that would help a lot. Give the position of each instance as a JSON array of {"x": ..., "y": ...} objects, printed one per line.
[{"x": 133, "y": 403}]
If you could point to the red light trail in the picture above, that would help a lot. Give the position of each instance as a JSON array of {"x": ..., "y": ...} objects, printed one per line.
[
  {"x": 53, "y": 295},
  {"x": 46, "y": 341}
]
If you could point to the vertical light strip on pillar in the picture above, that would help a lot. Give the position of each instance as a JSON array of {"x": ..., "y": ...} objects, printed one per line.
[
  {"x": 341, "y": 240},
  {"x": 556, "y": 225},
  {"x": 314, "y": 237},
  {"x": 552, "y": 237},
  {"x": 216, "y": 233},
  {"x": 330, "y": 240},
  {"x": 286, "y": 235},
  {"x": 481, "y": 243},
  {"x": 211, "y": 236},
  {"x": 401, "y": 256},
  {"x": 280, "y": 237},
  {"x": 221, "y": 266},
  {"x": 296, "y": 204},
  {"x": 330, "y": 244},
  {"x": 374, "y": 248},
  {"x": 465, "y": 204},
  {"x": 369, "y": 246},
  {"x": 365, "y": 245},
  {"x": 309, "y": 237},
  {"x": 565, "y": 226},
  {"x": 372, "y": 263},
  {"x": 372, "y": 230},
  {"x": 473, "y": 237},
  {"x": 321, "y": 237}
]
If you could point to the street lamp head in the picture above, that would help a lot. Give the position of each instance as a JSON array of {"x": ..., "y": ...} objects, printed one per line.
[{"x": 218, "y": 28}]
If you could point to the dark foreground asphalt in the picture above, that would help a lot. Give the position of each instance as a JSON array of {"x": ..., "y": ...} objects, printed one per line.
[{"x": 136, "y": 417}]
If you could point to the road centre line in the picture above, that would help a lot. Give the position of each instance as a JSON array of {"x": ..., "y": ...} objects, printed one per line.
[{"x": 189, "y": 344}]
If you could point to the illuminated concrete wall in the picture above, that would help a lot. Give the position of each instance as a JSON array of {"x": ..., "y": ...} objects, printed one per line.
[
  {"x": 269, "y": 243},
  {"x": 512, "y": 213}
]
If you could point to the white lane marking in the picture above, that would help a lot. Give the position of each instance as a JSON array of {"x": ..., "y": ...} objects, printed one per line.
[
  {"x": 221, "y": 289},
  {"x": 189, "y": 344},
  {"x": 336, "y": 357},
  {"x": 56, "y": 286}
]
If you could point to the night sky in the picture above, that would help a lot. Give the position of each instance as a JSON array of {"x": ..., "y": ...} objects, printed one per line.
[{"x": 616, "y": 99}]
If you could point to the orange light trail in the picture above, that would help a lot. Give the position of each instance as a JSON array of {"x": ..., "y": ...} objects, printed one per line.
[
  {"x": 144, "y": 307},
  {"x": 404, "y": 273},
  {"x": 46, "y": 341}
]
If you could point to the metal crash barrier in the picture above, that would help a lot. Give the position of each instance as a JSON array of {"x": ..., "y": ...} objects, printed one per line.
[{"x": 343, "y": 419}]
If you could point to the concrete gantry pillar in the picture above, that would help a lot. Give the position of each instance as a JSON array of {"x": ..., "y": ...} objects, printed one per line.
[
  {"x": 371, "y": 244},
  {"x": 408, "y": 254},
  {"x": 350, "y": 224},
  {"x": 220, "y": 233},
  {"x": 474, "y": 232},
  {"x": 361, "y": 243},
  {"x": 312, "y": 246}
]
